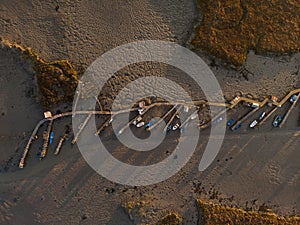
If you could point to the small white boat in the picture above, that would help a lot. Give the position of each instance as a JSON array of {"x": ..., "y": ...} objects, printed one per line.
[
  {"x": 262, "y": 116},
  {"x": 175, "y": 127},
  {"x": 219, "y": 119},
  {"x": 140, "y": 124},
  {"x": 186, "y": 109},
  {"x": 141, "y": 111},
  {"x": 253, "y": 124},
  {"x": 138, "y": 119},
  {"x": 194, "y": 115},
  {"x": 293, "y": 98}
]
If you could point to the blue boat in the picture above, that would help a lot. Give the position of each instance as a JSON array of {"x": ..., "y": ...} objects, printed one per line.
[
  {"x": 169, "y": 128},
  {"x": 238, "y": 126},
  {"x": 150, "y": 123},
  {"x": 262, "y": 115},
  {"x": 230, "y": 122},
  {"x": 184, "y": 127},
  {"x": 277, "y": 120},
  {"x": 293, "y": 98},
  {"x": 51, "y": 137}
]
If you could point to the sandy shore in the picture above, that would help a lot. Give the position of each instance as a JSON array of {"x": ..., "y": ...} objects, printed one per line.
[{"x": 252, "y": 168}]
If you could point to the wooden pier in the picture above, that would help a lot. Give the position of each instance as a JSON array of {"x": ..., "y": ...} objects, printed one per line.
[
  {"x": 46, "y": 140},
  {"x": 203, "y": 126},
  {"x": 60, "y": 143},
  {"x": 31, "y": 139},
  {"x": 268, "y": 116},
  {"x": 99, "y": 104},
  {"x": 105, "y": 124},
  {"x": 289, "y": 111},
  {"x": 172, "y": 118},
  {"x": 180, "y": 103},
  {"x": 81, "y": 129},
  {"x": 146, "y": 109},
  {"x": 161, "y": 119},
  {"x": 244, "y": 118}
]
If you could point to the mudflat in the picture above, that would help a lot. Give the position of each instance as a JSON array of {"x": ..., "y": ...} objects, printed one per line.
[{"x": 253, "y": 168}]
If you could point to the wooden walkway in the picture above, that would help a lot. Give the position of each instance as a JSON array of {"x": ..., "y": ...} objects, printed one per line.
[
  {"x": 289, "y": 111},
  {"x": 81, "y": 128},
  {"x": 46, "y": 140},
  {"x": 60, "y": 143},
  {"x": 266, "y": 100},
  {"x": 162, "y": 118},
  {"x": 180, "y": 103},
  {"x": 240, "y": 121}
]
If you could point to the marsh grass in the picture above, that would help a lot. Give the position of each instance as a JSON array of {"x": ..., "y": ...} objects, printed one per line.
[
  {"x": 57, "y": 80},
  {"x": 171, "y": 219},
  {"x": 229, "y": 29},
  {"x": 211, "y": 213}
]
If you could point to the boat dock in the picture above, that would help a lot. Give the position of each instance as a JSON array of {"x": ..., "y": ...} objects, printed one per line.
[
  {"x": 60, "y": 143},
  {"x": 198, "y": 104},
  {"x": 162, "y": 118},
  {"x": 31, "y": 139},
  {"x": 172, "y": 118},
  {"x": 46, "y": 138},
  {"x": 81, "y": 129},
  {"x": 268, "y": 116},
  {"x": 240, "y": 121},
  {"x": 105, "y": 124},
  {"x": 289, "y": 111}
]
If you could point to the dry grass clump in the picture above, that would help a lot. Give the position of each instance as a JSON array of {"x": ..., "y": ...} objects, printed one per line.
[
  {"x": 170, "y": 219},
  {"x": 57, "y": 81},
  {"x": 230, "y": 28},
  {"x": 135, "y": 210},
  {"x": 221, "y": 215}
]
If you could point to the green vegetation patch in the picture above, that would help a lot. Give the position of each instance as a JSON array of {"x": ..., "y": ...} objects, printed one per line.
[
  {"x": 229, "y": 29},
  {"x": 211, "y": 213}
]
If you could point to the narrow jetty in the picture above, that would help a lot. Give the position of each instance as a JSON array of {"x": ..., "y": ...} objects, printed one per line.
[
  {"x": 105, "y": 124},
  {"x": 289, "y": 111},
  {"x": 81, "y": 129},
  {"x": 266, "y": 100},
  {"x": 162, "y": 118},
  {"x": 268, "y": 116},
  {"x": 76, "y": 100},
  {"x": 31, "y": 139},
  {"x": 99, "y": 104},
  {"x": 146, "y": 109},
  {"x": 172, "y": 118},
  {"x": 60, "y": 143},
  {"x": 65, "y": 114},
  {"x": 188, "y": 119},
  {"x": 46, "y": 140},
  {"x": 198, "y": 103},
  {"x": 244, "y": 118},
  {"x": 203, "y": 126}
]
